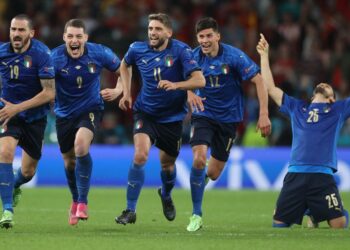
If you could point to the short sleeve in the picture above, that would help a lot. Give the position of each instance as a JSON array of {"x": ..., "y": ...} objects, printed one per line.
[
  {"x": 129, "y": 57},
  {"x": 246, "y": 67},
  {"x": 110, "y": 60},
  {"x": 346, "y": 108},
  {"x": 45, "y": 66},
  {"x": 288, "y": 104},
  {"x": 188, "y": 62}
]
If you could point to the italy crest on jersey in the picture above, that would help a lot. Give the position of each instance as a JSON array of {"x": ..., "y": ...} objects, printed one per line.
[
  {"x": 27, "y": 61},
  {"x": 225, "y": 69},
  {"x": 92, "y": 67},
  {"x": 326, "y": 109},
  {"x": 169, "y": 61}
]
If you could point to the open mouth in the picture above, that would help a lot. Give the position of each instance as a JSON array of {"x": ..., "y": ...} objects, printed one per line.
[
  {"x": 205, "y": 46},
  {"x": 154, "y": 38},
  {"x": 75, "y": 49},
  {"x": 17, "y": 41}
]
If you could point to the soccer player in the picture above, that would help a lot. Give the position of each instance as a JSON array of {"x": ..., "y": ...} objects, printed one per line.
[
  {"x": 309, "y": 183},
  {"x": 28, "y": 86},
  {"x": 167, "y": 69},
  {"x": 215, "y": 121},
  {"x": 79, "y": 107}
]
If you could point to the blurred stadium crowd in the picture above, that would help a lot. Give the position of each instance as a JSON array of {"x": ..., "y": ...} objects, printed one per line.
[{"x": 310, "y": 43}]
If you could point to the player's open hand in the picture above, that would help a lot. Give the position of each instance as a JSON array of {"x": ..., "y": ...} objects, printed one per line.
[
  {"x": 111, "y": 94},
  {"x": 263, "y": 46},
  {"x": 167, "y": 85},
  {"x": 125, "y": 102},
  {"x": 195, "y": 102},
  {"x": 264, "y": 125},
  {"x": 8, "y": 111}
]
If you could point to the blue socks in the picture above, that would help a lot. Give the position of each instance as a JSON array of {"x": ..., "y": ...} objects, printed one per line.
[
  {"x": 168, "y": 182},
  {"x": 20, "y": 179},
  {"x": 197, "y": 181},
  {"x": 83, "y": 171},
  {"x": 307, "y": 212},
  {"x": 346, "y": 214},
  {"x": 280, "y": 225},
  {"x": 6, "y": 185},
  {"x": 71, "y": 180},
  {"x": 136, "y": 177}
]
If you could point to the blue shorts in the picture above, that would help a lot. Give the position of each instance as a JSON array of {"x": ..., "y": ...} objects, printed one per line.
[
  {"x": 315, "y": 191},
  {"x": 219, "y": 136},
  {"x": 67, "y": 128},
  {"x": 165, "y": 136},
  {"x": 30, "y": 135}
]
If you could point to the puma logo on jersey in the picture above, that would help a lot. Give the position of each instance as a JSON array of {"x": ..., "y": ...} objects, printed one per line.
[
  {"x": 131, "y": 185},
  {"x": 198, "y": 184}
]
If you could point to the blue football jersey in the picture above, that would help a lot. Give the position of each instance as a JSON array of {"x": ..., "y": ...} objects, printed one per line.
[
  {"x": 175, "y": 64},
  {"x": 78, "y": 80},
  {"x": 315, "y": 129},
  {"x": 224, "y": 74},
  {"x": 21, "y": 74}
]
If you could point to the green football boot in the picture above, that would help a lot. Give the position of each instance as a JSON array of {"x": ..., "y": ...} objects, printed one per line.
[
  {"x": 196, "y": 223},
  {"x": 6, "y": 219}
]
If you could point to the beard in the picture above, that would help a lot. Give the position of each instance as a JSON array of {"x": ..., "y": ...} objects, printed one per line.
[
  {"x": 24, "y": 41},
  {"x": 322, "y": 91},
  {"x": 161, "y": 41}
]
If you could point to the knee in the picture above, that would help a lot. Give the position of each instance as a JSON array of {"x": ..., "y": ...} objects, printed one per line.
[
  {"x": 168, "y": 166},
  {"x": 81, "y": 148},
  {"x": 28, "y": 173},
  {"x": 213, "y": 176},
  {"x": 140, "y": 157},
  {"x": 69, "y": 164},
  {"x": 6, "y": 155},
  {"x": 338, "y": 223},
  {"x": 199, "y": 161}
]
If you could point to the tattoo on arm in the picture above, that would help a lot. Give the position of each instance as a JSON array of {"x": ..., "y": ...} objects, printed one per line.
[{"x": 48, "y": 83}]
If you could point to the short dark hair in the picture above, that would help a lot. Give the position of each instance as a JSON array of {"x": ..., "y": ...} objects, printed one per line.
[
  {"x": 206, "y": 23},
  {"x": 26, "y": 18},
  {"x": 76, "y": 23},
  {"x": 163, "y": 18}
]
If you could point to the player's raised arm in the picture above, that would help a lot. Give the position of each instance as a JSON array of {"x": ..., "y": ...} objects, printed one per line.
[
  {"x": 263, "y": 49},
  {"x": 263, "y": 124},
  {"x": 125, "y": 74}
]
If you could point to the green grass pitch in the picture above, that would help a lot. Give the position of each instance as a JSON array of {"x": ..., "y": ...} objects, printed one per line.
[{"x": 232, "y": 220}]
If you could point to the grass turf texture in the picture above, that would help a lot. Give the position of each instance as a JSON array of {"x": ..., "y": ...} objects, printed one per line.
[{"x": 232, "y": 220}]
